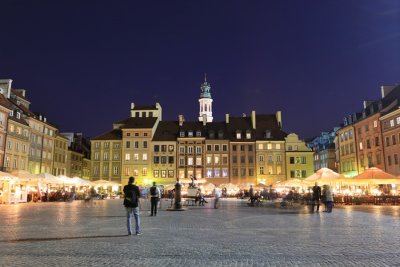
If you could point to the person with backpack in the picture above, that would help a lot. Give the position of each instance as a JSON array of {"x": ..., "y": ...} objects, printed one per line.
[
  {"x": 131, "y": 203},
  {"x": 155, "y": 195}
]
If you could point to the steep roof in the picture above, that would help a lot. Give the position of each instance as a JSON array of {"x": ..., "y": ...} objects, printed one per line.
[
  {"x": 166, "y": 131},
  {"x": 4, "y": 102},
  {"x": 21, "y": 121},
  {"x": 137, "y": 122},
  {"x": 115, "y": 134},
  {"x": 268, "y": 123}
]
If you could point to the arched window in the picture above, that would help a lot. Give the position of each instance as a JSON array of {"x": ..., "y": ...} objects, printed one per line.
[{"x": 205, "y": 108}]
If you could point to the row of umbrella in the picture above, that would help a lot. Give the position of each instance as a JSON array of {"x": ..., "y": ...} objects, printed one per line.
[
  {"x": 371, "y": 175},
  {"x": 47, "y": 178}
]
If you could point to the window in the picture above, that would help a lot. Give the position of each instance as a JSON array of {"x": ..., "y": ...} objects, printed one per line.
[
  {"x": 376, "y": 141},
  {"x": 136, "y": 144},
  {"x": 387, "y": 141},
  {"x": 190, "y": 134},
  {"x": 16, "y": 146},
  {"x": 234, "y": 159},
  {"x": 209, "y": 159},
  {"x": 128, "y": 134},
  {"x": 105, "y": 156},
  {"x": 156, "y": 148},
  {"x": 260, "y": 146},
  {"x": 278, "y": 170},
  {"x": 156, "y": 173},
  {"x": 144, "y": 156},
  {"x": 24, "y": 148},
  {"x": 248, "y": 135},
  {"x": 135, "y": 172},
  {"x": 278, "y": 158},
  {"x": 144, "y": 172},
  {"x": 261, "y": 158},
  {"x": 270, "y": 170},
  {"x": 198, "y": 149},
  {"x": 224, "y": 172},
  {"x": 375, "y": 124},
  {"x": 107, "y": 145},
  {"x": 251, "y": 172},
  {"x": 164, "y": 148},
  {"x": 250, "y": 147},
  {"x": 116, "y": 156},
  {"x": 190, "y": 161},
  {"x": 242, "y": 171},
  {"x": 393, "y": 139},
  {"x": 181, "y": 150},
  {"x": 181, "y": 161},
  {"x": 396, "y": 159},
  {"x": 270, "y": 159},
  {"x": 238, "y": 135},
  {"x": 15, "y": 162},
  {"x": 241, "y": 147},
  {"x": 128, "y": 144},
  {"x": 235, "y": 172},
  {"x": 216, "y": 173},
  {"x": 198, "y": 161},
  {"x": 127, "y": 156},
  {"x": 261, "y": 170},
  {"x": 216, "y": 159},
  {"x": 190, "y": 150},
  {"x": 171, "y": 148},
  {"x": 136, "y": 156},
  {"x": 234, "y": 148},
  {"x": 361, "y": 146},
  {"x": 156, "y": 160},
  {"x": 126, "y": 171},
  {"x": 171, "y": 174},
  {"x": 96, "y": 156},
  {"x": 182, "y": 134},
  {"x": 378, "y": 159},
  {"x": 7, "y": 162},
  {"x": 224, "y": 160},
  {"x": 163, "y": 160},
  {"x": 303, "y": 173},
  {"x": 291, "y": 160},
  {"x": 115, "y": 170},
  {"x": 145, "y": 134},
  {"x": 171, "y": 160},
  {"x": 391, "y": 123},
  {"x": 368, "y": 144},
  {"x": 224, "y": 147},
  {"x": 198, "y": 134},
  {"x": 209, "y": 148},
  {"x": 289, "y": 148},
  {"x": 242, "y": 159},
  {"x": 216, "y": 148},
  {"x": 144, "y": 144},
  {"x": 389, "y": 160},
  {"x": 278, "y": 146},
  {"x": 209, "y": 173},
  {"x": 269, "y": 146}
]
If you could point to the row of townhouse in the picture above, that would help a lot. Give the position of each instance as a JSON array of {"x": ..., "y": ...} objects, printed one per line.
[
  {"x": 368, "y": 138},
  {"x": 28, "y": 142},
  {"x": 241, "y": 150}
]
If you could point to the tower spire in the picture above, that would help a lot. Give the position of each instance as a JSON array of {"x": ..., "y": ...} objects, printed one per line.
[{"x": 205, "y": 76}]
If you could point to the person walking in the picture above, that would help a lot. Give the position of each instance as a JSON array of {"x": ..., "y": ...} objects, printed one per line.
[
  {"x": 131, "y": 203},
  {"x": 316, "y": 197},
  {"x": 329, "y": 199},
  {"x": 217, "y": 195},
  {"x": 251, "y": 194},
  {"x": 155, "y": 195}
]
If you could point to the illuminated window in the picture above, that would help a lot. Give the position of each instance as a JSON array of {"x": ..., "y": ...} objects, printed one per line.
[
  {"x": 209, "y": 173},
  {"x": 127, "y": 156},
  {"x": 260, "y": 146},
  {"x": 224, "y": 172},
  {"x": 216, "y": 159},
  {"x": 278, "y": 146},
  {"x": 198, "y": 161},
  {"x": 163, "y": 173},
  {"x": 156, "y": 173},
  {"x": 190, "y": 161},
  {"x": 136, "y": 156},
  {"x": 171, "y": 174},
  {"x": 135, "y": 172},
  {"x": 144, "y": 157},
  {"x": 216, "y": 173},
  {"x": 144, "y": 172},
  {"x": 127, "y": 171}
]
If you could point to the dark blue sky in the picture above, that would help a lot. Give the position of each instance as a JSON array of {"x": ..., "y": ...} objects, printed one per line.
[{"x": 83, "y": 62}]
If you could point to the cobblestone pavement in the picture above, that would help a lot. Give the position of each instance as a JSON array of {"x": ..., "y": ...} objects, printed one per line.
[{"x": 94, "y": 234}]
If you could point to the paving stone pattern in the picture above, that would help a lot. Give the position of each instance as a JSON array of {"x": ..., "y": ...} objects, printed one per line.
[{"x": 94, "y": 234}]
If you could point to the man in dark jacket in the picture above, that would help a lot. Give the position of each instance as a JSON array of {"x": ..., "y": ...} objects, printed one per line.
[
  {"x": 155, "y": 195},
  {"x": 316, "y": 196},
  {"x": 131, "y": 203}
]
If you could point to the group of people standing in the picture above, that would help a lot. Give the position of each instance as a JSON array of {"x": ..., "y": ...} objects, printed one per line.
[{"x": 324, "y": 195}]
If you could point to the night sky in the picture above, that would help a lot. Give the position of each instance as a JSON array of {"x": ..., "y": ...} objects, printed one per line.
[{"x": 83, "y": 62}]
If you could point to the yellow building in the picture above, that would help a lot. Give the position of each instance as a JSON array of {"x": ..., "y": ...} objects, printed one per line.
[
  {"x": 60, "y": 155},
  {"x": 74, "y": 163},
  {"x": 106, "y": 156},
  {"x": 164, "y": 153},
  {"x": 86, "y": 164},
  {"x": 17, "y": 143},
  {"x": 299, "y": 158},
  {"x": 347, "y": 151}
]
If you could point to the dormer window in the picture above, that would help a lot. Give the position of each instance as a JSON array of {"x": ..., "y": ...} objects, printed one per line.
[
  {"x": 220, "y": 134},
  {"x": 267, "y": 134},
  {"x": 18, "y": 115},
  {"x": 238, "y": 135},
  {"x": 182, "y": 134},
  {"x": 190, "y": 134},
  {"x": 198, "y": 134},
  {"x": 212, "y": 134},
  {"x": 11, "y": 113},
  {"x": 248, "y": 135}
]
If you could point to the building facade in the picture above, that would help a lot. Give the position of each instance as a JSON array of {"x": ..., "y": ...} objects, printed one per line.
[
  {"x": 391, "y": 140},
  {"x": 299, "y": 158}
]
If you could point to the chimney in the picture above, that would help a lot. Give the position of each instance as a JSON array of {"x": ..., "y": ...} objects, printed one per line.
[
  {"x": 279, "y": 118},
  {"x": 386, "y": 89},
  {"x": 40, "y": 117},
  {"x": 132, "y": 112},
  {"x": 253, "y": 119},
  {"x": 44, "y": 119},
  {"x": 181, "y": 119},
  {"x": 244, "y": 115},
  {"x": 132, "y": 105},
  {"x": 204, "y": 119},
  {"x": 226, "y": 118},
  {"x": 366, "y": 103}
]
